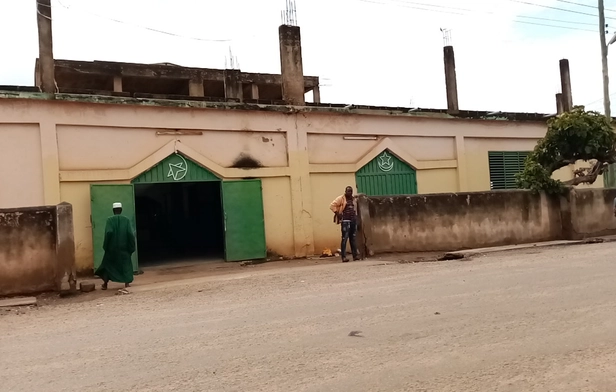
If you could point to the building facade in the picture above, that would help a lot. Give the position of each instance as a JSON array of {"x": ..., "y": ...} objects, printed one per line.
[{"x": 266, "y": 173}]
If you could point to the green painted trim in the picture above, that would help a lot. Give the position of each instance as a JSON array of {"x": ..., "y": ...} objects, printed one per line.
[{"x": 175, "y": 168}]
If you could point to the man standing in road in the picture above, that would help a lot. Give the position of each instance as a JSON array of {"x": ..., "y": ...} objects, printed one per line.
[
  {"x": 345, "y": 214},
  {"x": 119, "y": 245}
]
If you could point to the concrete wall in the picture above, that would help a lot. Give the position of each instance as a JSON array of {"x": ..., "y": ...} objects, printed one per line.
[
  {"x": 591, "y": 213},
  {"x": 36, "y": 249},
  {"x": 458, "y": 220},
  {"x": 453, "y": 221},
  {"x": 27, "y": 250},
  {"x": 306, "y": 158}
]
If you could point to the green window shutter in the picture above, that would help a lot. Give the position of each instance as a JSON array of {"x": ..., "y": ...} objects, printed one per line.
[{"x": 504, "y": 165}]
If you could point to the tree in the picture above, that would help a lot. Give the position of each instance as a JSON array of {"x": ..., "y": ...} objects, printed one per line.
[{"x": 571, "y": 137}]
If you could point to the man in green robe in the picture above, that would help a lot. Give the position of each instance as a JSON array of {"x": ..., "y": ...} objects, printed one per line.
[{"x": 119, "y": 245}]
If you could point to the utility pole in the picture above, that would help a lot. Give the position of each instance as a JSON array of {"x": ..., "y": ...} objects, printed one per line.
[
  {"x": 46, "y": 63},
  {"x": 606, "y": 77}
]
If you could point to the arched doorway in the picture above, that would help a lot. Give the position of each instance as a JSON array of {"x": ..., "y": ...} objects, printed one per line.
[
  {"x": 178, "y": 207},
  {"x": 181, "y": 211},
  {"x": 386, "y": 175}
]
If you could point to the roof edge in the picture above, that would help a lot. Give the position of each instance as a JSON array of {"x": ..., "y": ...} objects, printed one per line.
[{"x": 27, "y": 93}]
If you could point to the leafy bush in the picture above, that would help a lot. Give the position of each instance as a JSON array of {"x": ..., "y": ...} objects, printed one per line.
[{"x": 572, "y": 136}]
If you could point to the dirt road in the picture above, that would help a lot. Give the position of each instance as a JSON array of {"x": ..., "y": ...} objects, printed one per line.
[{"x": 522, "y": 321}]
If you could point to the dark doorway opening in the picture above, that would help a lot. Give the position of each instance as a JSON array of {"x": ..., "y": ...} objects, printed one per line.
[{"x": 179, "y": 222}]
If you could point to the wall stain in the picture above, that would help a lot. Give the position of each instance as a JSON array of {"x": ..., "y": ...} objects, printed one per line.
[{"x": 245, "y": 161}]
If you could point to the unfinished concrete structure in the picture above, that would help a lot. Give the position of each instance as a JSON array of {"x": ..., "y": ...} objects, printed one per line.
[
  {"x": 164, "y": 80},
  {"x": 451, "y": 82},
  {"x": 565, "y": 82},
  {"x": 291, "y": 66}
]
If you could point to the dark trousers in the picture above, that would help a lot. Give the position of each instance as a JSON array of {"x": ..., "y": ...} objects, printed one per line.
[{"x": 349, "y": 232}]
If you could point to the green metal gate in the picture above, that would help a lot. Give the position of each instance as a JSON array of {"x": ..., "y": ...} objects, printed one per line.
[
  {"x": 386, "y": 175},
  {"x": 244, "y": 225},
  {"x": 102, "y": 198},
  {"x": 244, "y": 220}
]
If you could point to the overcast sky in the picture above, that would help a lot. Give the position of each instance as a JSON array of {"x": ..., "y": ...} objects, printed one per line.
[{"x": 376, "y": 52}]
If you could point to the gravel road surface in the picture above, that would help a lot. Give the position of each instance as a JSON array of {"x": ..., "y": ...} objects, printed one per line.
[{"x": 535, "y": 320}]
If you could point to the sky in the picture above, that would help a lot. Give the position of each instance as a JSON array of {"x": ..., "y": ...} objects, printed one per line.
[{"x": 369, "y": 52}]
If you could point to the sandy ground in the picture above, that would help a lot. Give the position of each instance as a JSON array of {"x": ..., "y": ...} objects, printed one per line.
[{"x": 535, "y": 320}]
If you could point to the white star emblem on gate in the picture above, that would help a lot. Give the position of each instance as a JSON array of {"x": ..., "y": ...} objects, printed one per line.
[
  {"x": 178, "y": 170},
  {"x": 385, "y": 163}
]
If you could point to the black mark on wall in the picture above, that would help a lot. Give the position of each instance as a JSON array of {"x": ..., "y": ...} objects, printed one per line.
[{"x": 244, "y": 161}]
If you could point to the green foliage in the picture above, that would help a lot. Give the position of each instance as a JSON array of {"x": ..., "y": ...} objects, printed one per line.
[
  {"x": 536, "y": 178},
  {"x": 572, "y": 136}
]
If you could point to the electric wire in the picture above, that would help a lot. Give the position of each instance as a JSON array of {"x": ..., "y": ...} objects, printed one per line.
[{"x": 405, "y": 4}]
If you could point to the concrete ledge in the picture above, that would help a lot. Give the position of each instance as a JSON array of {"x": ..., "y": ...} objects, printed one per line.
[
  {"x": 27, "y": 301},
  {"x": 478, "y": 251}
]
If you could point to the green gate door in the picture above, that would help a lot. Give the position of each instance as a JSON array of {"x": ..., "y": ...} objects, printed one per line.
[
  {"x": 102, "y": 198},
  {"x": 386, "y": 175},
  {"x": 244, "y": 223}
]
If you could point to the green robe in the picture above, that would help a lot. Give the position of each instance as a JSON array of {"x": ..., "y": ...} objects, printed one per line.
[{"x": 119, "y": 245}]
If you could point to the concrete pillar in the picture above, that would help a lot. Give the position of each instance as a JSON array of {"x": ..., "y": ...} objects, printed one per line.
[
  {"x": 233, "y": 84},
  {"x": 559, "y": 103},
  {"x": 291, "y": 66},
  {"x": 254, "y": 91},
  {"x": 51, "y": 162},
  {"x": 462, "y": 168},
  {"x": 37, "y": 73},
  {"x": 316, "y": 94},
  {"x": 65, "y": 249},
  {"x": 195, "y": 88},
  {"x": 451, "y": 83},
  {"x": 117, "y": 84},
  {"x": 565, "y": 84},
  {"x": 301, "y": 190},
  {"x": 46, "y": 63}
]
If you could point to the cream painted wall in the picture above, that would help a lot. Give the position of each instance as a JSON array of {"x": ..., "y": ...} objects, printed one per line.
[
  {"x": 278, "y": 215},
  {"x": 21, "y": 168},
  {"x": 269, "y": 148},
  {"x": 377, "y": 125},
  {"x": 566, "y": 173},
  {"x": 90, "y": 147},
  {"x": 424, "y": 148},
  {"x": 437, "y": 181},
  {"x": 335, "y": 149},
  {"x": 325, "y": 188}
]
